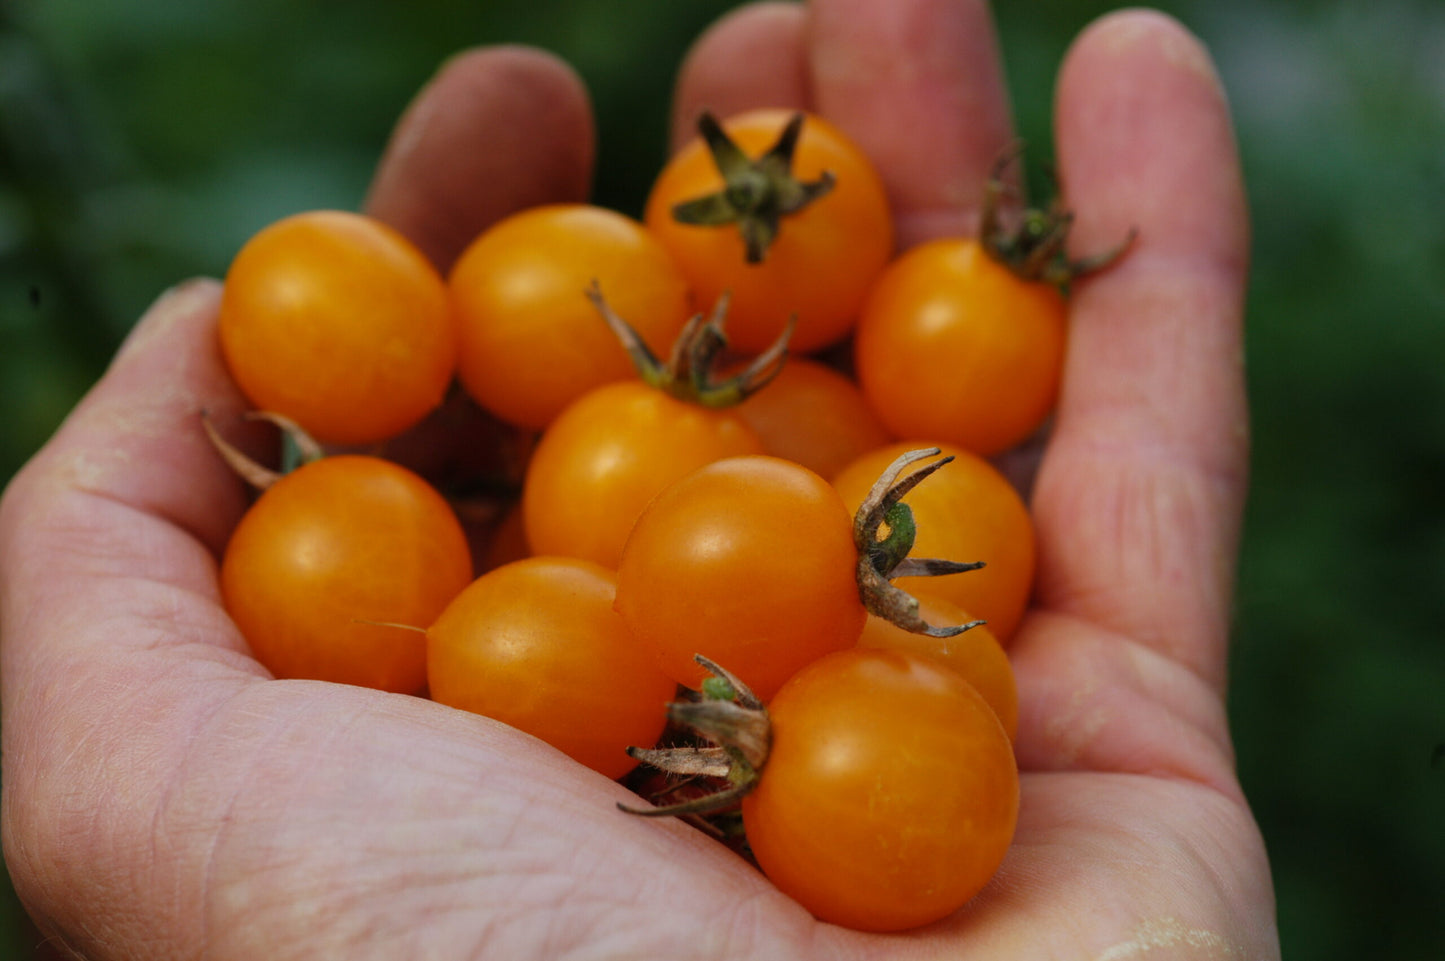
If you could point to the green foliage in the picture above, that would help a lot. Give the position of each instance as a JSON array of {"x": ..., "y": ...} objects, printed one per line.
[{"x": 142, "y": 140}]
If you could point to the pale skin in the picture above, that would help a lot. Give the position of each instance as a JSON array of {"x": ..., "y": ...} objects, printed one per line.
[{"x": 165, "y": 798}]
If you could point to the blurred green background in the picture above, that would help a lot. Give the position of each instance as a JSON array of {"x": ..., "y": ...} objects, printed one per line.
[{"x": 141, "y": 141}]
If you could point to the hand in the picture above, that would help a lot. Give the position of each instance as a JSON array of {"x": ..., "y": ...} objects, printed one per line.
[{"x": 164, "y": 798}]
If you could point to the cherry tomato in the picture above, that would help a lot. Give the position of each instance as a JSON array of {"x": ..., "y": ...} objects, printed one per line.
[
  {"x": 966, "y": 511},
  {"x": 531, "y": 341},
  {"x": 607, "y": 455},
  {"x": 824, "y": 256},
  {"x": 748, "y": 561},
  {"x": 537, "y": 645},
  {"x": 890, "y": 795},
  {"x": 975, "y": 655},
  {"x": 338, "y": 322},
  {"x": 812, "y": 414},
  {"x": 331, "y": 555},
  {"x": 953, "y": 346}
]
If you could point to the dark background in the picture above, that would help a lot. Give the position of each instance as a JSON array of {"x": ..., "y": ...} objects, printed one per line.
[{"x": 141, "y": 141}]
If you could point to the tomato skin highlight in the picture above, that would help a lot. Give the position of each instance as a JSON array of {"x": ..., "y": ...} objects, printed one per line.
[
  {"x": 748, "y": 561},
  {"x": 951, "y": 345},
  {"x": 336, "y": 542},
  {"x": 530, "y": 341},
  {"x": 824, "y": 257},
  {"x": 891, "y": 793},
  {"x": 975, "y": 655},
  {"x": 966, "y": 511},
  {"x": 340, "y": 323},
  {"x": 537, "y": 645},
  {"x": 607, "y": 455}
]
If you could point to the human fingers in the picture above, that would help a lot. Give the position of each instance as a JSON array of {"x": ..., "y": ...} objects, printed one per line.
[
  {"x": 1139, "y": 496},
  {"x": 496, "y": 130}
]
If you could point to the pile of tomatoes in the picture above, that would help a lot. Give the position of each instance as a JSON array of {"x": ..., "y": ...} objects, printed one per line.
[{"x": 703, "y": 453}]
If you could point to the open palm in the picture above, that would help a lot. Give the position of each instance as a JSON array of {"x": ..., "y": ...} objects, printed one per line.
[{"x": 165, "y": 798}]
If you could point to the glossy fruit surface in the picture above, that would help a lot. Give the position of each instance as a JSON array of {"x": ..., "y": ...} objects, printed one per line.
[
  {"x": 748, "y": 561},
  {"x": 814, "y": 415},
  {"x": 824, "y": 257},
  {"x": 952, "y": 345},
  {"x": 890, "y": 795},
  {"x": 966, "y": 511},
  {"x": 537, "y": 645},
  {"x": 607, "y": 455},
  {"x": 335, "y": 543},
  {"x": 975, "y": 655},
  {"x": 338, "y": 322},
  {"x": 531, "y": 341}
]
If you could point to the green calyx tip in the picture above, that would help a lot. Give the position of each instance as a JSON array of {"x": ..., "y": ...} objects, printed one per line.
[{"x": 757, "y": 192}]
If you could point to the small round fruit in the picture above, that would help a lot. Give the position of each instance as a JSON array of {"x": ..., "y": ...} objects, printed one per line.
[
  {"x": 537, "y": 645},
  {"x": 748, "y": 561},
  {"x": 338, "y": 322},
  {"x": 954, "y": 346},
  {"x": 824, "y": 256},
  {"x": 531, "y": 340},
  {"x": 333, "y": 554},
  {"x": 890, "y": 795}
]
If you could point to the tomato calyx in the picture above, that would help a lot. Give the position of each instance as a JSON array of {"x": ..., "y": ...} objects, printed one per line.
[
  {"x": 757, "y": 193},
  {"x": 737, "y": 732},
  {"x": 298, "y": 447},
  {"x": 884, "y": 531},
  {"x": 1033, "y": 247},
  {"x": 690, "y": 372}
]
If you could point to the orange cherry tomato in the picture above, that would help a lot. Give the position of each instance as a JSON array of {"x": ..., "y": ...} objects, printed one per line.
[
  {"x": 748, "y": 561},
  {"x": 812, "y": 414},
  {"x": 824, "y": 258},
  {"x": 329, "y": 557},
  {"x": 607, "y": 455},
  {"x": 340, "y": 323},
  {"x": 953, "y": 346},
  {"x": 966, "y": 511},
  {"x": 537, "y": 645},
  {"x": 890, "y": 795},
  {"x": 975, "y": 655},
  {"x": 531, "y": 341}
]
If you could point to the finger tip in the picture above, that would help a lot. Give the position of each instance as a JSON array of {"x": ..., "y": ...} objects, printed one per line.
[
  {"x": 1146, "y": 141},
  {"x": 752, "y": 56},
  {"x": 495, "y": 129}
]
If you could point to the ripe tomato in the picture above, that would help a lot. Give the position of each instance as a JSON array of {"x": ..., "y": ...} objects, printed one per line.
[
  {"x": 536, "y": 644},
  {"x": 531, "y": 341},
  {"x": 812, "y": 414},
  {"x": 966, "y": 511},
  {"x": 975, "y": 655},
  {"x": 337, "y": 542},
  {"x": 890, "y": 795},
  {"x": 824, "y": 257},
  {"x": 607, "y": 455},
  {"x": 338, "y": 322},
  {"x": 749, "y": 561},
  {"x": 953, "y": 346}
]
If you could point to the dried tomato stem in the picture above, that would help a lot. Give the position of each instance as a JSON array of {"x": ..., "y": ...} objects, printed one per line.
[
  {"x": 1034, "y": 249},
  {"x": 690, "y": 372},
  {"x": 741, "y": 736},
  {"x": 882, "y": 557}
]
